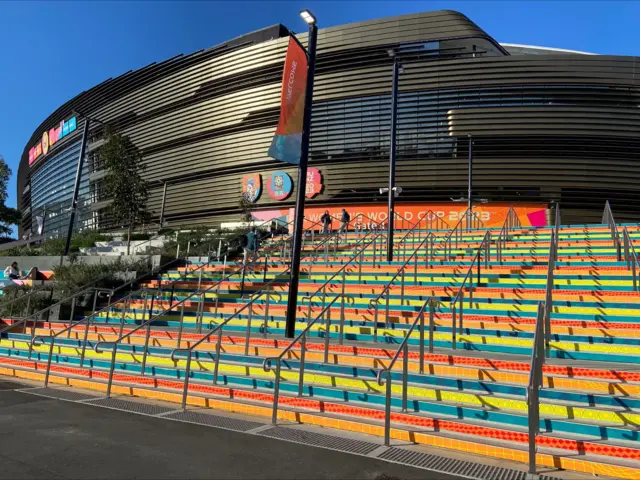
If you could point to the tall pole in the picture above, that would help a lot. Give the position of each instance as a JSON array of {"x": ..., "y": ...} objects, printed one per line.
[
  {"x": 470, "y": 207},
  {"x": 392, "y": 160},
  {"x": 164, "y": 200},
  {"x": 76, "y": 187},
  {"x": 292, "y": 300}
]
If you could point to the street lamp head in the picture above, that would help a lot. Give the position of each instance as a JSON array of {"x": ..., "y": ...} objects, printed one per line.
[
  {"x": 391, "y": 52},
  {"x": 308, "y": 17}
]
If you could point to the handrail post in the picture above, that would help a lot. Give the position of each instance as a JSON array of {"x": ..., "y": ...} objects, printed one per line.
[
  {"x": 431, "y": 312},
  {"x": 247, "y": 337},
  {"x": 216, "y": 365},
  {"x": 200, "y": 312},
  {"x": 387, "y": 411},
  {"x": 179, "y": 340},
  {"x": 386, "y": 318},
  {"x": 46, "y": 375},
  {"x": 375, "y": 324},
  {"x": 73, "y": 311},
  {"x": 405, "y": 375},
  {"x": 276, "y": 394},
  {"x": 402, "y": 287},
  {"x": 461, "y": 311},
  {"x": 86, "y": 329},
  {"x": 453, "y": 326},
  {"x": 327, "y": 335},
  {"x": 303, "y": 344},
  {"x": 341, "y": 334},
  {"x": 266, "y": 315},
  {"x": 112, "y": 367},
  {"x": 187, "y": 374},
  {"x": 146, "y": 349},
  {"x": 422, "y": 341}
]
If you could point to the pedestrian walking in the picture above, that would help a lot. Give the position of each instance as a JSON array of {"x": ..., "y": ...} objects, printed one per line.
[{"x": 344, "y": 219}]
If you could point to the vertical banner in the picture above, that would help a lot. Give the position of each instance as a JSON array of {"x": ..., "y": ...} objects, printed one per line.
[{"x": 286, "y": 143}]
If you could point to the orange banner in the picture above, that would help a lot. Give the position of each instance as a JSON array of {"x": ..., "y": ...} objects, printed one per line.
[
  {"x": 287, "y": 140},
  {"x": 491, "y": 214}
]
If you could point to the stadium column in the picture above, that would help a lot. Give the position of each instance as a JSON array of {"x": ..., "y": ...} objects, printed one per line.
[
  {"x": 76, "y": 187},
  {"x": 392, "y": 159},
  {"x": 292, "y": 300}
]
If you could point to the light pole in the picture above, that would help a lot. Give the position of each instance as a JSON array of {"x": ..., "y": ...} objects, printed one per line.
[
  {"x": 292, "y": 299},
  {"x": 76, "y": 186},
  {"x": 392, "y": 156}
]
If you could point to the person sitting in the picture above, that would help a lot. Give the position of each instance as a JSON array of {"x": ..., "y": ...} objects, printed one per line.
[{"x": 12, "y": 272}]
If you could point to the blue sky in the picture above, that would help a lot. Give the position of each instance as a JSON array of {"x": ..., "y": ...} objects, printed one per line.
[{"x": 51, "y": 51}]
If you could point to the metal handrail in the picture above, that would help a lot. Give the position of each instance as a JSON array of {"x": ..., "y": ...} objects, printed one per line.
[
  {"x": 357, "y": 254},
  {"x": 458, "y": 230},
  {"x": 147, "y": 323},
  {"x": 511, "y": 222},
  {"x": 87, "y": 319},
  {"x": 534, "y": 386},
  {"x": 608, "y": 219},
  {"x": 631, "y": 257},
  {"x": 412, "y": 232},
  {"x": 433, "y": 218},
  {"x": 228, "y": 242},
  {"x": 218, "y": 328},
  {"x": 548, "y": 304},
  {"x": 302, "y": 337},
  {"x": 404, "y": 348},
  {"x": 375, "y": 303},
  {"x": 336, "y": 235},
  {"x": 343, "y": 270},
  {"x": 41, "y": 288},
  {"x": 486, "y": 246},
  {"x": 38, "y": 339}
]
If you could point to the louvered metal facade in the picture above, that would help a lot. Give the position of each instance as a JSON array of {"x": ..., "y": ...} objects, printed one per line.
[{"x": 557, "y": 127}]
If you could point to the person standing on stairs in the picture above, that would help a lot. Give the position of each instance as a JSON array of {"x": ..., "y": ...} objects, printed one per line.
[
  {"x": 326, "y": 222},
  {"x": 251, "y": 246}
]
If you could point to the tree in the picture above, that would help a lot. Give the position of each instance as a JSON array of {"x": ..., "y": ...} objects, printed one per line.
[
  {"x": 8, "y": 216},
  {"x": 123, "y": 181},
  {"x": 246, "y": 208}
]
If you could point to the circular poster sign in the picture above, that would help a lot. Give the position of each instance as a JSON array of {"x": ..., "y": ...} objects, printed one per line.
[
  {"x": 252, "y": 187},
  {"x": 280, "y": 185},
  {"x": 314, "y": 183}
]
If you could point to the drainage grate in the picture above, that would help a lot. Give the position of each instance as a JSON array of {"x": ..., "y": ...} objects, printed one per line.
[
  {"x": 453, "y": 466},
  {"x": 134, "y": 407},
  {"x": 59, "y": 394},
  {"x": 320, "y": 440},
  {"x": 214, "y": 421}
]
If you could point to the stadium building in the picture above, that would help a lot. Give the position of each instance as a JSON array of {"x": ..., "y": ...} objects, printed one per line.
[{"x": 548, "y": 125}]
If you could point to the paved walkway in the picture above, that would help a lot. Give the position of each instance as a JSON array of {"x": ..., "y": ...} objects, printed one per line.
[{"x": 48, "y": 438}]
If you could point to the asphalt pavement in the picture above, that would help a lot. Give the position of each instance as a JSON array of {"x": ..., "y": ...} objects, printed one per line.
[{"x": 48, "y": 438}]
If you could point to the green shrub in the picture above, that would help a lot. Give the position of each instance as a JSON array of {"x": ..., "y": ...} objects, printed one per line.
[{"x": 71, "y": 277}]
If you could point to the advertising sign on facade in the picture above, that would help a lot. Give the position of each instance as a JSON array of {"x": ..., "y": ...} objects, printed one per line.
[
  {"x": 280, "y": 185},
  {"x": 314, "y": 183},
  {"x": 252, "y": 187},
  {"x": 492, "y": 214},
  {"x": 51, "y": 137},
  {"x": 288, "y": 137}
]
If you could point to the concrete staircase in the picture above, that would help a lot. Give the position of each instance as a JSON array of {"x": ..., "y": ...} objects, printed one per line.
[{"x": 468, "y": 395}]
